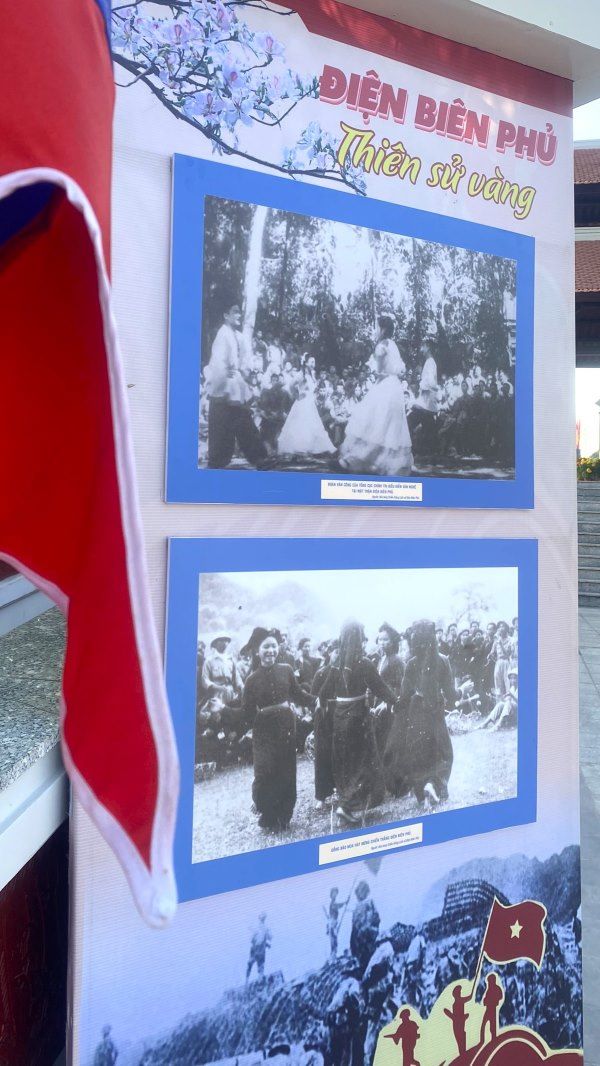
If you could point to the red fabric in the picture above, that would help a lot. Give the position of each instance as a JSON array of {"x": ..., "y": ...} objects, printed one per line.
[
  {"x": 59, "y": 504},
  {"x": 57, "y": 93},
  {"x": 516, "y": 933},
  {"x": 428, "y": 51},
  {"x": 68, "y": 516}
]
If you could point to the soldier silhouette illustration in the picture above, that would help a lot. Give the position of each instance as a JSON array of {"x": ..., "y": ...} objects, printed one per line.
[
  {"x": 407, "y": 1034},
  {"x": 458, "y": 1017},
  {"x": 492, "y": 1001}
]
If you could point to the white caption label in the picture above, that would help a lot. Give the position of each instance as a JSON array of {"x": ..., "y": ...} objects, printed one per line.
[
  {"x": 342, "y": 489},
  {"x": 370, "y": 843}
]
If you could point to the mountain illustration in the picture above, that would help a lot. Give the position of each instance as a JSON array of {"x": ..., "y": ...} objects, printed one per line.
[{"x": 248, "y": 1018}]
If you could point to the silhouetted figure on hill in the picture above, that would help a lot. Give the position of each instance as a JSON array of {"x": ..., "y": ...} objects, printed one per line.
[
  {"x": 458, "y": 1016},
  {"x": 492, "y": 1001},
  {"x": 407, "y": 1035}
]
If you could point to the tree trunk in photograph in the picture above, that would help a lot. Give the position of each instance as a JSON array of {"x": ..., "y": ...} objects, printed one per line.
[
  {"x": 283, "y": 277},
  {"x": 374, "y": 241},
  {"x": 416, "y": 293},
  {"x": 252, "y": 276}
]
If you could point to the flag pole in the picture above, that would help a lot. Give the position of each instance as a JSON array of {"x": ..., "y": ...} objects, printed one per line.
[
  {"x": 347, "y": 902},
  {"x": 481, "y": 954},
  {"x": 477, "y": 974}
]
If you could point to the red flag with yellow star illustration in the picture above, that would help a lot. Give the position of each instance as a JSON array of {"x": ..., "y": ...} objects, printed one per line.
[{"x": 516, "y": 932}]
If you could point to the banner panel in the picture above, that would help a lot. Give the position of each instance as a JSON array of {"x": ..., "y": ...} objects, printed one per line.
[{"x": 367, "y": 299}]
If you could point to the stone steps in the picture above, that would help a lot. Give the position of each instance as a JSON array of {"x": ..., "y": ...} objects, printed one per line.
[{"x": 588, "y": 522}]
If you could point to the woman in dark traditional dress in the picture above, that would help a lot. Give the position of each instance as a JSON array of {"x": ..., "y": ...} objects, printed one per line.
[
  {"x": 345, "y": 689},
  {"x": 268, "y": 695},
  {"x": 419, "y": 754},
  {"x": 391, "y": 667},
  {"x": 323, "y": 729},
  {"x": 391, "y": 670}
]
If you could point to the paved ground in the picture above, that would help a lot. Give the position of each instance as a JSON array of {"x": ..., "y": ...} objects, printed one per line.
[
  {"x": 589, "y": 703},
  {"x": 484, "y": 770}
]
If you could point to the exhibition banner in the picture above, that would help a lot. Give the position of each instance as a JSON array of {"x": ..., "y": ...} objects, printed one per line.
[{"x": 343, "y": 279}]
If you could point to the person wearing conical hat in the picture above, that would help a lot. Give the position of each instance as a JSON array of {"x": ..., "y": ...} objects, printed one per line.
[{"x": 219, "y": 673}]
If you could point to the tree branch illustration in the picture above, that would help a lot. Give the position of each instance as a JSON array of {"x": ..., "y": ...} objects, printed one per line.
[{"x": 210, "y": 69}]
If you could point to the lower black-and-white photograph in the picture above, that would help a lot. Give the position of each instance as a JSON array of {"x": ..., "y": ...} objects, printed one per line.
[
  {"x": 336, "y": 347},
  {"x": 333, "y": 700},
  {"x": 309, "y": 976}
]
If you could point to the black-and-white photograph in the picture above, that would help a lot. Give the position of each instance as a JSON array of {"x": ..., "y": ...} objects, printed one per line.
[
  {"x": 310, "y": 978},
  {"x": 330, "y": 700},
  {"x": 333, "y": 347}
]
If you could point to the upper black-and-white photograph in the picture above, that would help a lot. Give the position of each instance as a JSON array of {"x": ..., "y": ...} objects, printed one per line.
[
  {"x": 331, "y": 347},
  {"x": 337, "y": 699}
]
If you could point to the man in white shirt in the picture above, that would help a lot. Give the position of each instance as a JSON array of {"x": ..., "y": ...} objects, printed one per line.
[
  {"x": 229, "y": 414},
  {"x": 422, "y": 417}
]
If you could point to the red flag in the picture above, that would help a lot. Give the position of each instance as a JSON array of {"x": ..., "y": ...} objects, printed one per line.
[
  {"x": 516, "y": 932},
  {"x": 68, "y": 509}
]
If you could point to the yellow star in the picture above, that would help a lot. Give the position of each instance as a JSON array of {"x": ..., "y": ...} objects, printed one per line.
[{"x": 515, "y": 930}]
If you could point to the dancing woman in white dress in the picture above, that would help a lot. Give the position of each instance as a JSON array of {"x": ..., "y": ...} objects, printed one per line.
[
  {"x": 377, "y": 437},
  {"x": 303, "y": 432}
]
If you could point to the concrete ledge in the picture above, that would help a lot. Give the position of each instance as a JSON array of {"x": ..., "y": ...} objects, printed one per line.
[{"x": 31, "y": 809}]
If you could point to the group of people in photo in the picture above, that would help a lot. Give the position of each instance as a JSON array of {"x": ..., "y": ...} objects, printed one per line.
[
  {"x": 376, "y": 715},
  {"x": 266, "y": 405}
]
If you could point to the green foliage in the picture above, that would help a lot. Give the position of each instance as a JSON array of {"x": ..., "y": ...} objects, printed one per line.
[
  {"x": 588, "y": 469},
  {"x": 322, "y": 285}
]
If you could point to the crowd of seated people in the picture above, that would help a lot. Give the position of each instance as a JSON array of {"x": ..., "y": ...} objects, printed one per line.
[
  {"x": 483, "y": 663},
  {"x": 474, "y": 416}
]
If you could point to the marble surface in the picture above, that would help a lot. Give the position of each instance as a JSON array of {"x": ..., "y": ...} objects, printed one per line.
[
  {"x": 589, "y": 705},
  {"x": 31, "y": 659}
]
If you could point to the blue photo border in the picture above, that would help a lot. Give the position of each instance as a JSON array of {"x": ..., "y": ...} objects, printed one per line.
[
  {"x": 186, "y": 482},
  {"x": 188, "y": 558}
]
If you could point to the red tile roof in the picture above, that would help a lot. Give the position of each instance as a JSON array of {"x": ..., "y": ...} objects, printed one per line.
[
  {"x": 587, "y": 166},
  {"x": 587, "y": 266}
]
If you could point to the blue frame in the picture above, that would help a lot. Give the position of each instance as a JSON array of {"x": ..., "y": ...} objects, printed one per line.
[
  {"x": 188, "y": 558},
  {"x": 193, "y": 179}
]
